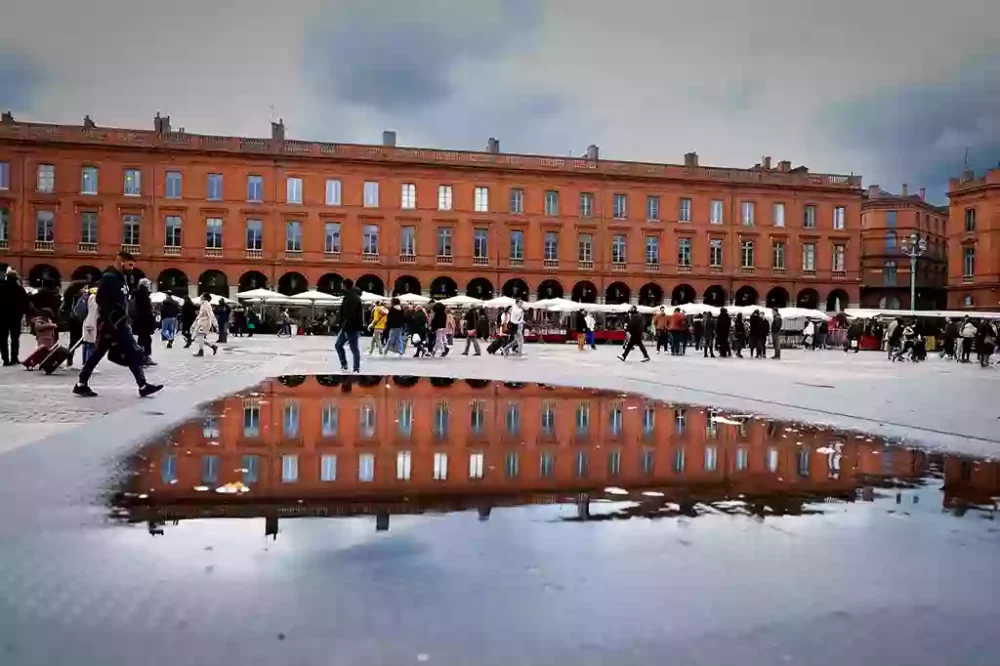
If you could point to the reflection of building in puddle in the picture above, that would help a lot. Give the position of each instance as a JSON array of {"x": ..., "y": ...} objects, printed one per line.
[{"x": 321, "y": 446}]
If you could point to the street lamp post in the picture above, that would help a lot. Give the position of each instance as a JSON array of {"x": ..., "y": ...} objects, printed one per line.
[{"x": 914, "y": 247}]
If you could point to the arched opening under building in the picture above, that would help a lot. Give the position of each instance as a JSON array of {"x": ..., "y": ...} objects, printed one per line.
[
  {"x": 253, "y": 280},
  {"x": 515, "y": 288},
  {"x": 406, "y": 284},
  {"x": 371, "y": 283},
  {"x": 480, "y": 288},
  {"x": 682, "y": 294},
  {"x": 650, "y": 294},
  {"x": 443, "y": 287},
  {"x": 406, "y": 381},
  {"x": 715, "y": 296},
  {"x": 43, "y": 275},
  {"x": 746, "y": 295},
  {"x": 584, "y": 292},
  {"x": 173, "y": 280},
  {"x": 292, "y": 283},
  {"x": 617, "y": 293},
  {"x": 807, "y": 298},
  {"x": 777, "y": 297},
  {"x": 550, "y": 289},
  {"x": 890, "y": 302},
  {"x": 88, "y": 274},
  {"x": 837, "y": 300},
  {"x": 215, "y": 282},
  {"x": 331, "y": 283}
]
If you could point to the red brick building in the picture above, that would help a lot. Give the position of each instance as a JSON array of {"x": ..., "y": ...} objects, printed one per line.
[
  {"x": 225, "y": 213},
  {"x": 888, "y": 221},
  {"x": 974, "y": 241}
]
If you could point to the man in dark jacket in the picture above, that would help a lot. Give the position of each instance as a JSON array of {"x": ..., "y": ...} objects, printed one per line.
[
  {"x": 351, "y": 325},
  {"x": 113, "y": 329},
  {"x": 143, "y": 321},
  {"x": 723, "y": 326},
  {"x": 709, "y": 333},
  {"x": 635, "y": 326},
  {"x": 189, "y": 311},
  {"x": 13, "y": 307},
  {"x": 395, "y": 323},
  {"x": 776, "y": 333},
  {"x": 471, "y": 326},
  {"x": 169, "y": 310}
]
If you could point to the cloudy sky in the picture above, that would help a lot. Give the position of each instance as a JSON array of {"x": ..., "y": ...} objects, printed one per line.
[{"x": 893, "y": 89}]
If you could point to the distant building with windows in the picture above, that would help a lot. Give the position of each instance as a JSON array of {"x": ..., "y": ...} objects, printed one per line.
[{"x": 974, "y": 241}]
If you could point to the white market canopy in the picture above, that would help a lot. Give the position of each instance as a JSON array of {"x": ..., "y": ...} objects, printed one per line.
[
  {"x": 368, "y": 297},
  {"x": 460, "y": 301},
  {"x": 499, "y": 302},
  {"x": 159, "y": 297},
  {"x": 316, "y": 298},
  {"x": 259, "y": 295},
  {"x": 865, "y": 313},
  {"x": 414, "y": 299}
]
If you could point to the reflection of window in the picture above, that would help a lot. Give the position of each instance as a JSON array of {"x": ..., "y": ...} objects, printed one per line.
[
  {"x": 615, "y": 418},
  {"x": 476, "y": 465},
  {"x": 804, "y": 462},
  {"x": 511, "y": 464},
  {"x": 647, "y": 461},
  {"x": 440, "y": 466},
  {"x": 250, "y": 469},
  {"x": 291, "y": 419},
  {"x": 366, "y": 418},
  {"x": 582, "y": 464},
  {"x": 442, "y": 419},
  {"x": 583, "y": 418},
  {"x": 512, "y": 418},
  {"x": 404, "y": 418},
  {"x": 403, "y": 465},
  {"x": 772, "y": 460},
  {"x": 209, "y": 469},
  {"x": 711, "y": 425},
  {"x": 679, "y": 461},
  {"x": 614, "y": 462},
  {"x": 366, "y": 467},
  {"x": 210, "y": 428},
  {"x": 548, "y": 418},
  {"x": 289, "y": 468},
  {"x": 330, "y": 420},
  {"x": 547, "y": 464},
  {"x": 328, "y": 467},
  {"x": 711, "y": 458},
  {"x": 742, "y": 458},
  {"x": 251, "y": 421},
  {"x": 680, "y": 421},
  {"x": 648, "y": 420},
  {"x": 477, "y": 416},
  {"x": 168, "y": 468}
]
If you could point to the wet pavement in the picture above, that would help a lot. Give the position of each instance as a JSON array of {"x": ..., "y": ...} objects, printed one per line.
[{"x": 332, "y": 520}]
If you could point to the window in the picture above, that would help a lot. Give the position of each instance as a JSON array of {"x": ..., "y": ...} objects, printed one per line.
[
  {"x": 366, "y": 420},
  {"x": 715, "y": 252},
  {"x": 746, "y": 254},
  {"x": 442, "y": 420},
  {"x": 444, "y": 241},
  {"x": 511, "y": 464},
  {"x": 680, "y": 421},
  {"x": 585, "y": 248},
  {"x": 652, "y": 250},
  {"x": 404, "y": 418},
  {"x": 618, "y": 249},
  {"x": 290, "y": 419},
  {"x": 408, "y": 196},
  {"x": 890, "y": 240},
  {"x": 251, "y": 420},
  {"x": 615, "y": 418},
  {"x": 4, "y": 175},
  {"x": 293, "y": 190},
  {"x": 778, "y": 214},
  {"x": 512, "y": 418},
  {"x": 255, "y": 234},
  {"x": 408, "y": 241},
  {"x": 480, "y": 243},
  {"x": 4, "y": 225},
  {"x": 742, "y": 458},
  {"x": 516, "y": 201},
  {"x": 970, "y": 219},
  {"x": 778, "y": 255},
  {"x": 711, "y": 458},
  {"x": 582, "y": 464},
  {"x": 551, "y": 246},
  {"x": 133, "y": 182},
  {"x": 330, "y": 420},
  {"x": 583, "y": 418},
  {"x": 968, "y": 301},
  {"x": 250, "y": 469},
  {"x": 293, "y": 236},
  {"x": 403, "y": 465},
  {"x": 679, "y": 461},
  {"x": 889, "y": 272},
  {"x": 647, "y": 461},
  {"x": 839, "y": 217},
  {"x": 809, "y": 256},
  {"x": 552, "y": 203},
  {"x": 369, "y": 239},
  {"x": 332, "y": 192},
  {"x": 715, "y": 212},
  {"x": 173, "y": 231},
  {"x": 747, "y": 213},
  {"x": 969, "y": 262},
  {"x": 517, "y": 245},
  {"x": 771, "y": 460},
  {"x": 209, "y": 469},
  {"x": 213, "y": 233},
  {"x": 652, "y": 208},
  {"x": 46, "y": 181},
  {"x": 255, "y": 189},
  {"x": 477, "y": 416},
  {"x": 547, "y": 464},
  {"x": 444, "y": 197},
  {"x": 366, "y": 467},
  {"x": 838, "y": 258},
  {"x": 684, "y": 252},
  {"x": 174, "y": 185},
  {"x": 440, "y": 466},
  {"x": 130, "y": 230},
  {"x": 213, "y": 189},
  {"x": 890, "y": 218},
  {"x": 88, "y": 180},
  {"x": 481, "y": 200},
  {"x": 586, "y": 204},
  {"x": 331, "y": 238},
  {"x": 684, "y": 210},
  {"x": 620, "y": 209},
  {"x": 88, "y": 227},
  {"x": 809, "y": 217},
  {"x": 328, "y": 467},
  {"x": 371, "y": 194},
  {"x": 289, "y": 468},
  {"x": 615, "y": 462},
  {"x": 476, "y": 465}
]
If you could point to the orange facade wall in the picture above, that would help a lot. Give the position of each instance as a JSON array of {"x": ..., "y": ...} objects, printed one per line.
[{"x": 975, "y": 228}]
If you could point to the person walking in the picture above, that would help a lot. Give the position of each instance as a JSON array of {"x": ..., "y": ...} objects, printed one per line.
[
  {"x": 580, "y": 324},
  {"x": 822, "y": 331},
  {"x": 143, "y": 320},
  {"x": 471, "y": 325},
  {"x": 699, "y": 331},
  {"x": 46, "y": 331},
  {"x": 591, "y": 323},
  {"x": 661, "y": 327},
  {"x": 516, "y": 329},
  {"x": 986, "y": 340},
  {"x": 418, "y": 332},
  {"x": 203, "y": 324},
  {"x": 114, "y": 330},
  {"x": 739, "y": 335},
  {"x": 968, "y": 333},
  {"x": 222, "y": 316},
  {"x": 723, "y": 327},
  {"x": 239, "y": 321},
  {"x": 188, "y": 313},
  {"x": 88, "y": 340},
  {"x": 635, "y": 326},
  {"x": 776, "y": 324},
  {"x": 77, "y": 315},
  {"x": 439, "y": 332},
  {"x": 950, "y": 336},
  {"x": 676, "y": 332},
  {"x": 13, "y": 308},
  {"x": 377, "y": 327},
  {"x": 708, "y": 341},
  {"x": 169, "y": 311},
  {"x": 395, "y": 321},
  {"x": 351, "y": 324}
]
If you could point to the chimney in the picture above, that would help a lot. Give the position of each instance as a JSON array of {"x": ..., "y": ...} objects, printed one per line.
[
  {"x": 493, "y": 145},
  {"x": 906, "y": 190},
  {"x": 278, "y": 130},
  {"x": 784, "y": 166},
  {"x": 690, "y": 159},
  {"x": 874, "y": 191},
  {"x": 923, "y": 193},
  {"x": 593, "y": 152},
  {"x": 766, "y": 163},
  {"x": 161, "y": 123},
  {"x": 389, "y": 138},
  {"x": 6, "y": 118},
  {"x": 968, "y": 175}
]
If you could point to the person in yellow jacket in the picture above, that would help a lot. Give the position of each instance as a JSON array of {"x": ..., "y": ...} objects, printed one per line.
[{"x": 377, "y": 327}]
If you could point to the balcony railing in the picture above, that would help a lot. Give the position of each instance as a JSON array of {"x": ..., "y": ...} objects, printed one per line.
[
  {"x": 968, "y": 279},
  {"x": 255, "y": 253},
  {"x": 44, "y": 246},
  {"x": 652, "y": 268},
  {"x": 480, "y": 261},
  {"x": 293, "y": 254},
  {"x": 550, "y": 263},
  {"x": 585, "y": 265},
  {"x": 777, "y": 270},
  {"x": 716, "y": 270},
  {"x": 683, "y": 268},
  {"x": 369, "y": 257},
  {"x": 331, "y": 256},
  {"x": 213, "y": 252},
  {"x": 407, "y": 258},
  {"x": 4, "y": 245},
  {"x": 516, "y": 263},
  {"x": 619, "y": 266},
  {"x": 840, "y": 274},
  {"x": 747, "y": 270},
  {"x": 444, "y": 260},
  {"x": 131, "y": 248},
  {"x": 171, "y": 251},
  {"x": 811, "y": 272},
  {"x": 87, "y": 248}
]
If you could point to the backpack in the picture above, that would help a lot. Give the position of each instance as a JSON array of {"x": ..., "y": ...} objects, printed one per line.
[{"x": 80, "y": 309}]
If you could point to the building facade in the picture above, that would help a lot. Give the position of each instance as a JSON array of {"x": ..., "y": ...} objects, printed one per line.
[
  {"x": 974, "y": 241},
  {"x": 226, "y": 214},
  {"x": 888, "y": 222}
]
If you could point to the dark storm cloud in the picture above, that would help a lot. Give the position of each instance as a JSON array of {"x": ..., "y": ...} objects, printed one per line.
[
  {"x": 20, "y": 80},
  {"x": 919, "y": 134}
]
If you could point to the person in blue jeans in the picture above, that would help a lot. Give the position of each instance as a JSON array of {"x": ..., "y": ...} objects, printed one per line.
[{"x": 351, "y": 325}]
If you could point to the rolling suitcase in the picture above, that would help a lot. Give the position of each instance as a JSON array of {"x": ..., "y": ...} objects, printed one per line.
[
  {"x": 496, "y": 344},
  {"x": 57, "y": 357}
]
